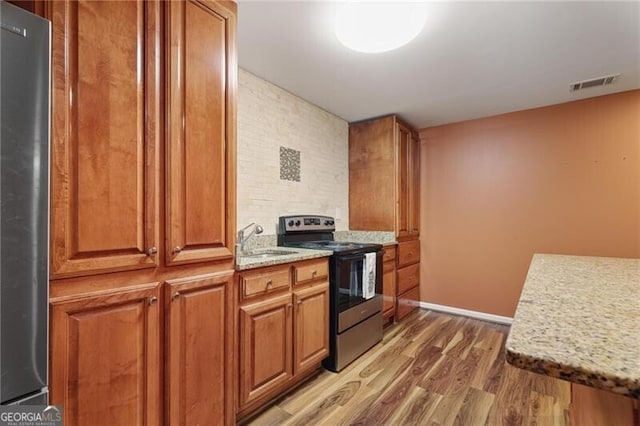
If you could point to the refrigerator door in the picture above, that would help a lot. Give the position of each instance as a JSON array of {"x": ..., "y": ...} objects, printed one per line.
[
  {"x": 24, "y": 189},
  {"x": 40, "y": 398}
]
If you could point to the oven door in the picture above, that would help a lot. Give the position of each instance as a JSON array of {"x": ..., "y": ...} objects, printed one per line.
[{"x": 349, "y": 280}]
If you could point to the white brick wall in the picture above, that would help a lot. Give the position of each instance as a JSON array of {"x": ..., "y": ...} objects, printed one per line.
[{"x": 269, "y": 117}]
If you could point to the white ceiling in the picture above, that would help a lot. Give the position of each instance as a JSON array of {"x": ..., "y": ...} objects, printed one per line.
[{"x": 473, "y": 59}]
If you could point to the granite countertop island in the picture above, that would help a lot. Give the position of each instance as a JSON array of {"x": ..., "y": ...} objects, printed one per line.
[{"x": 578, "y": 319}]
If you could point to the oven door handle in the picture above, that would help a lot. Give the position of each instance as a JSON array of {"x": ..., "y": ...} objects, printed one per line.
[{"x": 351, "y": 258}]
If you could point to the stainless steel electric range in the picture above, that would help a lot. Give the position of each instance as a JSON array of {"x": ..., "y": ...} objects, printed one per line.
[{"x": 355, "y": 318}]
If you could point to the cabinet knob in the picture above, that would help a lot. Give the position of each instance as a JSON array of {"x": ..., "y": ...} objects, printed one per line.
[
  {"x": 152, "y": 251},
  {"x": 175, "y": 296},
  {"x": 177, "y": 249},
  {"x": 314, "y": 273},
  {"x": 269, "y": 283},
  {"x": 289, "y": 306},
  {"x": 153, "y": 300},
  {"x": 299, "y": 302}
]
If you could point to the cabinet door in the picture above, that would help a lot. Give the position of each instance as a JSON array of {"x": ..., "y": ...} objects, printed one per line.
[
  {"x": 403, "y": 177},
  {"x": 407, "y": 302},
  {"x": 265, "y": 347},
  {"x": 105, "y": 133},
  {"x": 389, "y": 288},
  {"x": 201, "y": 123},
  {"x": 199, "y": 347},
  {"x": 311, "y": 326},
  {"x": 105, "y": 358},
  {"x": 414, "y": 192}
]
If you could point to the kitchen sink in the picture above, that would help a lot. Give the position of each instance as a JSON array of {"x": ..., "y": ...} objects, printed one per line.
[{"x": 267, "y": 253}]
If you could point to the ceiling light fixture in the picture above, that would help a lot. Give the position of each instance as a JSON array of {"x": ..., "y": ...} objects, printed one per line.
[{"x": 374, "y": 27}]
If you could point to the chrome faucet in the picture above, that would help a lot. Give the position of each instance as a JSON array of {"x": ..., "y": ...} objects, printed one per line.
[{"x": 242, "y": 240}]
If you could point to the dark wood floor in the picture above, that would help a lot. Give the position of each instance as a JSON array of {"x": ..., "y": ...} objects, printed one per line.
[{"x": 431, "y": 369}]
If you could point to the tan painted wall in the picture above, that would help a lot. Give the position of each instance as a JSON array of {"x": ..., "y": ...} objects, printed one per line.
[{"x": 559, "y": 179}]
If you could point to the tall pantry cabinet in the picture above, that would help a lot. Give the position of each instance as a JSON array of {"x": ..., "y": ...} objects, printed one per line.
[
  {"x": 142, "y": 210},
  {"x": 384, "y": 191}
]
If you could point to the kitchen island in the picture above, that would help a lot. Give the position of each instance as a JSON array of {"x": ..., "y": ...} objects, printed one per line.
[{"x": 578, "y": 319}]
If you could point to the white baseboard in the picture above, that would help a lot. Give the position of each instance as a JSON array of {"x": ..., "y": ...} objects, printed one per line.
[{"x": 467, "y": 313}]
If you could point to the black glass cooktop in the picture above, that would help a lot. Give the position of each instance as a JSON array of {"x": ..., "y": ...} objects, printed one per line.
[{"x": 339, "y": 246}]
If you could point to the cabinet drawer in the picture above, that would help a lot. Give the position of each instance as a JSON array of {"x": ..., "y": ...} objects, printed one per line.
[
  {"x": 407, "y": 302},
  {"x": 310, "y": 271},
  {"x": 388, "y": 267},
  {"x": 408, "y": 277},
  {"x": 265, "y": 282},
  {"x": 408, "y": 253},
  {"x": 388, "y": 253}
]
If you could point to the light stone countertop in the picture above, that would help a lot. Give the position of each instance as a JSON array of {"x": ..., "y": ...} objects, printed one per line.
[
  {"x": 376, "y": 237},
  {"x": 269, "y": 242},
  {"x": 578, "y": 319},
  {"x": 297, "y": 254}
]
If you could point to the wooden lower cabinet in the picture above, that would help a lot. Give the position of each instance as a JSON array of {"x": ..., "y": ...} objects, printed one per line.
[
  {"x": 283, "y": 334},
  {"x": 105, "y": 357},
  {"x": 596, "y": 407},
  {"x": 107, "y": 352},
  {"x": 389, "y": 283},
  {"x": 407, "y": 278},
  {"x": 199, "y": 339},
  {"x": 311, "y": 326},
  {"x": 407, "y": 302},
  {"x": 265, "y": 347},
  {"x": 408, "y": 253}
]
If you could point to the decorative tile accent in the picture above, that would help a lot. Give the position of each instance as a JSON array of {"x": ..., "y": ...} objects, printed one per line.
[{"x": 289, "y": 164}]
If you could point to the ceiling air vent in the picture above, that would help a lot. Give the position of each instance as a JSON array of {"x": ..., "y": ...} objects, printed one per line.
[{"x": 593, "y": 82}]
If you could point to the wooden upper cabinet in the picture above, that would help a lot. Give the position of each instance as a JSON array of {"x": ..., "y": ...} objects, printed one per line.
[
  {"x": 403, "y": 194},
  {"x": 372, "y": 175},
  {"x": 105, "y": 357},
  {"x": 414, "y": 201},
  {"x": 201, "y": 131},
  {"x": 384, "y": 177},
  {"x": 105, "y": 133},
  {"x": 408, "y": 216},
  {"x": 199, "y": 333}
]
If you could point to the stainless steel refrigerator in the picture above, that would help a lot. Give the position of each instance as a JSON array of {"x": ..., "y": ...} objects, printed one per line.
[{"x": 24, "y": 205}]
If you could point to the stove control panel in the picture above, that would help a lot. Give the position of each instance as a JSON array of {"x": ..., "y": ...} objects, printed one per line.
[{"x": 289, "y": 224}]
